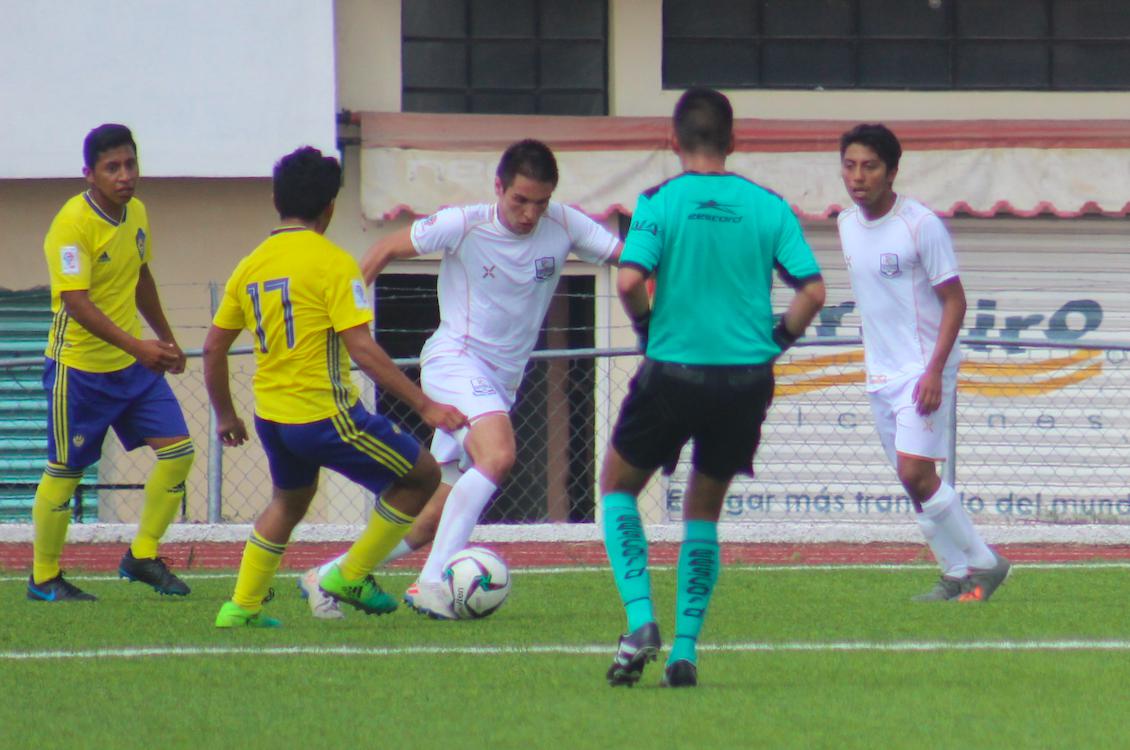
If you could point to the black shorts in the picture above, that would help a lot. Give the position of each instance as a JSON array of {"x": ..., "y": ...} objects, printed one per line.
[{"x": 720, "y": 406}]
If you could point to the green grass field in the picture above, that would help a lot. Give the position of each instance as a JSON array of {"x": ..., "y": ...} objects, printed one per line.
[{"x": 804, "y": 658}]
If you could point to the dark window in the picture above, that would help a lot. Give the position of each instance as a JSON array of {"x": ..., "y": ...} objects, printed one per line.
[
  {"x": 554, "y": 475},
  {"x": 1068, "y": 45},
  {"x": 505, "y": 56}
]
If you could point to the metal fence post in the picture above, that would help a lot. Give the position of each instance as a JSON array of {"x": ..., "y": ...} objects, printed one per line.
[{"x": 215, "y": 447}]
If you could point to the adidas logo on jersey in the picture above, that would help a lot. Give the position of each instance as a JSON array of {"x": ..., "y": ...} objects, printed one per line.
[{"x": 104, "y": 257}]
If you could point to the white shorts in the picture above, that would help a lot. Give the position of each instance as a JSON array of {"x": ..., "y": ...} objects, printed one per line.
[
  {"x": 470, "y": 385},
  {"x": 902, "y": 430}
]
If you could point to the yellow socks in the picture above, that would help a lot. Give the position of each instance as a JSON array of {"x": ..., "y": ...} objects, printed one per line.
[
  {"x": 51, "y": 514},
  {"x": 260, "y": 562},
  {"x": 387, "y": 526},
  {"x": 164, "y": 492}
]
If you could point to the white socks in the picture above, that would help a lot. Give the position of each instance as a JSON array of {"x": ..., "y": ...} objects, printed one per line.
[
  {"x": 949, "y": 532},
  {"x": 950, "y": 558},
  {"x": 469, "y": 496}
]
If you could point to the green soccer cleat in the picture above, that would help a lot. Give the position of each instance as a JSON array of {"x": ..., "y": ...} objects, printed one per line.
[
  {"x": 365, "y": 594},
  {"x": 231, "y": 615}
]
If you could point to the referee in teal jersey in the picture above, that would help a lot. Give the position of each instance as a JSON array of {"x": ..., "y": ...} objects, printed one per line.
[{"x": 711, "y": 240}]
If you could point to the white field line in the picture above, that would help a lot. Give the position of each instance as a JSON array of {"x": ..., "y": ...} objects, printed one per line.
[
  {"x": 831, "y": 567},
  {"x": 566, "y": 649}
]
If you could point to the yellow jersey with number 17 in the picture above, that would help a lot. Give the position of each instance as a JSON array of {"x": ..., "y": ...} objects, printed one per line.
[
  {"x": 294, "y": 293},
  {"x": 88, "y": 250}
]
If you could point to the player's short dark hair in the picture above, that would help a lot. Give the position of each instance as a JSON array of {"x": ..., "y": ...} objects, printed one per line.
[
  {"x": 878, "y": 138},
  {"x": 704, "y": 121},
  {"x": 529, "y": 158},
  {"x": 305, "y": 182},
  {"x": 102, "y": 139}
]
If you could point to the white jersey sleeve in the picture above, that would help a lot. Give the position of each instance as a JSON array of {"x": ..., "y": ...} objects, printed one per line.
[
  {"x": 591, "y": 241},
  {"x": 440, "y": 232},
  {"x": 935, "y": 250}
]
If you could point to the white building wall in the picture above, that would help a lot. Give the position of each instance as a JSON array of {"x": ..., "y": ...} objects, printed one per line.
[{"x": 202, "y": 226}]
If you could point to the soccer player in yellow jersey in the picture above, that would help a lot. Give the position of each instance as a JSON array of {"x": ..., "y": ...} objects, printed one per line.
[
  {"x": 304, "y": 301},
  {"x": 99, "y": 373}
]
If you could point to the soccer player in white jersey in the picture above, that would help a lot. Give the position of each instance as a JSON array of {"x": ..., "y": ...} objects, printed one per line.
[
  {"x": 905, "y": 279},
  {"x": 500, "y": 266}
]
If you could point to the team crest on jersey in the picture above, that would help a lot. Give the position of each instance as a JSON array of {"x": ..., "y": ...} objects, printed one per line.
[
  {"x": 889, "y": 265},
  {"x": 360, "y": 301},
  {"x": 482, "y": 387},
  {"x": 544, "y": 268},
  {"x": 141, "y": 243},
  {"x": 69, "y": 260},
  {"x": 640, "y": 225}
]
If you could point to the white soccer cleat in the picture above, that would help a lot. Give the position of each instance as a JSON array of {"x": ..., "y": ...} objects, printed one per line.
[
  {"x": 431, "y": 599},
  {"x": 322, "y": 605}
]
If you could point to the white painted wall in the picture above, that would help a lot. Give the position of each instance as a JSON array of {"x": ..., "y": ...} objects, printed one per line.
[
  {"x": 202, "y": 226},
  {"x": 211, "y": 88}
]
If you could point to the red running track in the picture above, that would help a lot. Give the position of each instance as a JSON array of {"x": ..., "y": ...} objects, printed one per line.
[{"x": 212, "y": 555}]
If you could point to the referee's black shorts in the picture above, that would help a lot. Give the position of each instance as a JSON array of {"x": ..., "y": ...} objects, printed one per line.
[{"x": 720, "y": 406}]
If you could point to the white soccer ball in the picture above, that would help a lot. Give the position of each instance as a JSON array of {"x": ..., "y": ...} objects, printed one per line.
[{"x": 479, "y": 582}]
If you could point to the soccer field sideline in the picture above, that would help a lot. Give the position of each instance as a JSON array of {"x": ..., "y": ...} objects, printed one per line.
[
  {"x": 570, "y": 649},
  {"x": 829, "y": 646},
  {"x": 559, "y": 570},
  {"x": 214, "y": 575}
]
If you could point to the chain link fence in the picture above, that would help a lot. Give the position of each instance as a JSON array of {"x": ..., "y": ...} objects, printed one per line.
[{"x": 1041, "y": 434}]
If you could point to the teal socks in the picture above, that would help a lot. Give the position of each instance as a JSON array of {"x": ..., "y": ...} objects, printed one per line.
[
  {"x": 627, "y": 552},
  {"x": 698, "y": 572}
]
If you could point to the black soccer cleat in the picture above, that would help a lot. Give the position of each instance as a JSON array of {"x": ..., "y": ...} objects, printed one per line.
[
  {"x": 682, "y": 673},
  {"x": 153, "y": 571},
  {"x": 56, "y": 589},
  {"x": 634, "y": 651}
]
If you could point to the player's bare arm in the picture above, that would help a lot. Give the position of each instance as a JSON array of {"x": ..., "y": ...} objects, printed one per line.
[
  {"x": 149, "y": 305},
  {"x": 631, "y": 286},
  {"x": 395, "y": 246},
  {"x": 375, "y": 362},
  {"x": 614, "y": 258},
  {"x": 229, "y": 427},
  {"x": 928, "y": 391},
  {"x": 806, "y": 302},
  {"x": 151, "y": 353}
]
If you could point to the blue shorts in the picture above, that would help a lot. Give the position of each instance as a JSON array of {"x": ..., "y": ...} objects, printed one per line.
[
  {"x": 367, "y": 448},
  {"x": 82, "y": 406}
]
